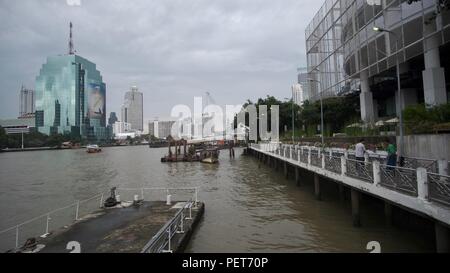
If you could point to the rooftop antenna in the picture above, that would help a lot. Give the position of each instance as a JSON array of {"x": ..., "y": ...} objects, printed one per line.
[{"x": 71, "y": 49}]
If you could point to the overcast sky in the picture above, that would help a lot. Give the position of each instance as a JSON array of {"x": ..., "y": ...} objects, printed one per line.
[{"x": 172, "y": 50}]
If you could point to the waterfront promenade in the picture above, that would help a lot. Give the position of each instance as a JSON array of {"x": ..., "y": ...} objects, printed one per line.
[{"x": 419, "y": 190}]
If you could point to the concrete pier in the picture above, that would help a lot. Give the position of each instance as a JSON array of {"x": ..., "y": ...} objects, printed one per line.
[
  {"x": 388, "y": 213},
  {"x": 317, "y": 187},
  {"x": 297, "y": 176},
  {"x": 355, "y": 208},
  {"x": 285, "y": 169},
  {"x": 122, "y": 230},
  {"x": 442, "y": 238},
  {"x": 394, "y": 203},
  {"x": 341, "y": 190}
]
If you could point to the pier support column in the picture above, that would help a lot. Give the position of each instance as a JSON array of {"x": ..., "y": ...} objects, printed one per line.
[
  {"x": 297, "y": 176},
  {"x": 341, "y": 192},
  {"x": 442, "y": 238},
  {"x": 355, "y": 208},
  {"x": 277, "y": 162},
  {"x": 317, "y": 187},
  {"x": 388, "y": 213},
  {"x": 285, "y": 169}
]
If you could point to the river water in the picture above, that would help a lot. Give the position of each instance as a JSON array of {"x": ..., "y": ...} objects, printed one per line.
[{"x": 249, "y": 207}]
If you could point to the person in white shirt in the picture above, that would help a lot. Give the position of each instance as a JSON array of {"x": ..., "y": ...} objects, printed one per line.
[{"x": 360, "y": 149}]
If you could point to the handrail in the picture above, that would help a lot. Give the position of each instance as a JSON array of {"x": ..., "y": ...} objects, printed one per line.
[
  {"x": 50, "y": 212},
  {"x": 168, "y": 227},
  {"x": 433, "y": 187},
  {"x": 77, "y": 204}
]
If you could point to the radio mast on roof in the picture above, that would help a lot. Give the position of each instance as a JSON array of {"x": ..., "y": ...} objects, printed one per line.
[{"x": 71, "y": 48}]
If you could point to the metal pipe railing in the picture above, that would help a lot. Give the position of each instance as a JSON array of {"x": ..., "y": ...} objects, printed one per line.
[
  {"x": 79, "y": 214},
  {"x": 163, "y": 238}
]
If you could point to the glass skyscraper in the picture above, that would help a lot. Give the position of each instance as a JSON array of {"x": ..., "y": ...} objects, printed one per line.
[{"x": 71, "y": 98}]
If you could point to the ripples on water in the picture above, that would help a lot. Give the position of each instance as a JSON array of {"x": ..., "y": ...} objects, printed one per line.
[{"x": 249, "y": 208}]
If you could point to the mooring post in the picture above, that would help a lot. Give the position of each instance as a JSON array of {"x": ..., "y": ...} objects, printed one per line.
[
  {"x": 297, "y": 176},
  {"x": 355, "y": 208},
  {"x": 388, "y": 213},
  {"x": 317, "y": 187},
  {"x": 442, "y": 238}
]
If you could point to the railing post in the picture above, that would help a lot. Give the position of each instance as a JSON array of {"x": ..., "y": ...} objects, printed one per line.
[
  {"x": 170, "y": 240},
  {"x": 376, "y": 172},
  {"x": 76, "y": 212},
  {"x": 298, "y": 155},
  {"x": 142, "y": 193},
  {"x": 196, "y": 196},
  {"x": 346, "y": 154},
  {"x": 101, "y": 201},
  {"x": 17, "y": 236},
  {"x": 343, "y": 165},
  {"x": 366, "y": 159},
  {"x": 422, "y": 183},
  {"x": 443, "y": 167},
  {"x": 291, "y": 152},
  {"x": 309, "y": 155},
  {"x": 47, "y": 225},
  {"x": 182, "y": 223},
  {"x": 323, "y": 160}
]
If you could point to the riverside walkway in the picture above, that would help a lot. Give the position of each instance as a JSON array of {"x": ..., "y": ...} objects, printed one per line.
[{"x": 424, "y": 189}]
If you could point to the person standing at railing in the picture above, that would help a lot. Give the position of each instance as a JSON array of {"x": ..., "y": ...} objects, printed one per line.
[
  {"x": 392, "y": 156},
  {"x": 360, "y": 150}
]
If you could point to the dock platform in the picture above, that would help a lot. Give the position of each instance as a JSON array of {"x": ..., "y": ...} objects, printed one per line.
[{"x": 127, "y": 229}]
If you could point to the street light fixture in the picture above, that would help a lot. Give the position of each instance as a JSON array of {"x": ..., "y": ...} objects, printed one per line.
[
  {"x": 293, "y": 123},
  {"x": 321, "y": 109},
  {"x": 400, "y": 101}
]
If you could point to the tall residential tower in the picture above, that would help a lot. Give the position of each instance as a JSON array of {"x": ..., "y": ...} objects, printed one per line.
[
  {"x": 27, "y": 101},
  {"x": 132, "y": 109}
]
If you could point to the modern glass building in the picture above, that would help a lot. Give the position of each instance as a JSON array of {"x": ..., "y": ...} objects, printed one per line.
[
  {"x": 346, "y": 55},
  {"x": 71, "y": 98}
]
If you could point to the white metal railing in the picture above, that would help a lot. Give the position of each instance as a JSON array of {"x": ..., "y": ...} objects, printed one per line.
[
  {"x": 418, "y": 182},
  {"x": 162, "y": 241},
  {"x": 42, "y": 225},
  {"x": 439, "y": 188}
]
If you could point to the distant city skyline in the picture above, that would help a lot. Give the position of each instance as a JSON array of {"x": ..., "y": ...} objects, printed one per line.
[{"x": 235, "y": 50}]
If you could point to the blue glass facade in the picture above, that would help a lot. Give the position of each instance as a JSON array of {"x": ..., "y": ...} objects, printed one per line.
[{"x": 71, "y": 98}]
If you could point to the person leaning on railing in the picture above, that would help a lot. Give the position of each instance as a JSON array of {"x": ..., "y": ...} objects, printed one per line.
[{"x": 391, "y": 156}]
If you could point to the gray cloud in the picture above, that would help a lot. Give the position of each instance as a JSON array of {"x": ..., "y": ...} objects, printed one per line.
[{"x": 172, "y": 50}]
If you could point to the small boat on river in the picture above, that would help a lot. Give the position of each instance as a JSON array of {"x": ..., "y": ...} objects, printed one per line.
[{"x": 93, "y": 148}]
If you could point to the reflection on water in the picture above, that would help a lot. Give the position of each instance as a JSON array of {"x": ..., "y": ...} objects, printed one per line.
[{"x": 249, "y": 208}]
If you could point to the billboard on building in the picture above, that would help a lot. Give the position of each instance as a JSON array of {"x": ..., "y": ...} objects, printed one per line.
[{"x": 97, "y": 101}]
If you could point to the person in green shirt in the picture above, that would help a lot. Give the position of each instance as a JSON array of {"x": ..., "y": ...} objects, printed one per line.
[{"x": 392, "y": 155}]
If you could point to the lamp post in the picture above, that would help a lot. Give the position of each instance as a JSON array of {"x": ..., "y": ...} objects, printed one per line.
[
  {"x": 321, "y": 109},
  {"x": 400, "y": 101},
  {"x": 293, "y": 122}
]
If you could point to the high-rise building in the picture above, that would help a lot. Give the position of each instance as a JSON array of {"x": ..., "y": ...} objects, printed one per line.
[
  {"x": 71, "y": 97},
  {"x": 112, "y": 118},
  {"x": 297, "y": 94},
  {"x": 132, "y": 109},
  {"x": 27, "y": 101}
]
